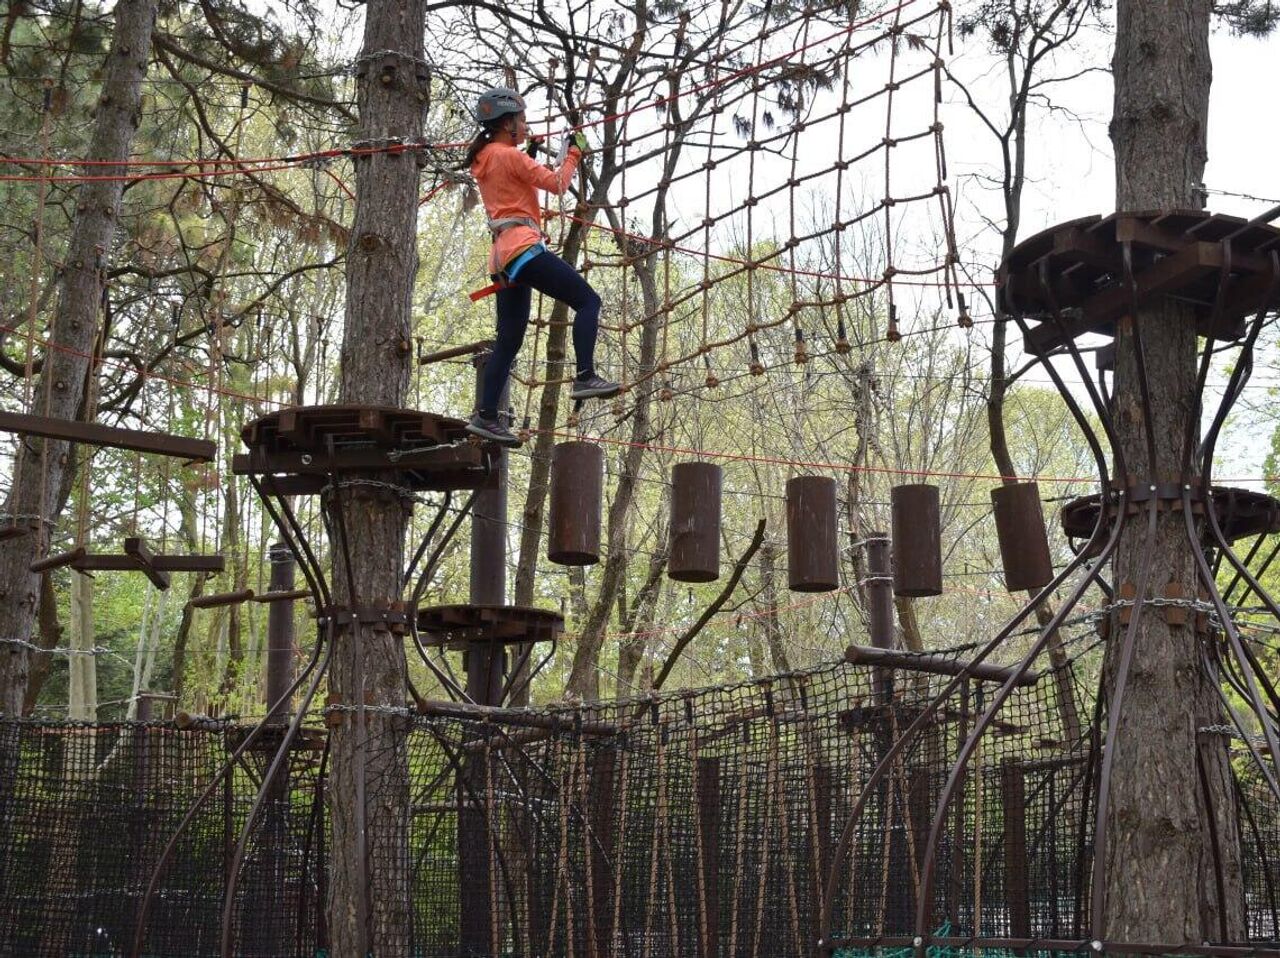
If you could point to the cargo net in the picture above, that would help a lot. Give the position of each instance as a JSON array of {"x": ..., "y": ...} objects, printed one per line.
[
  {"x": 766, "y": 183},
  {"x": 87, "y": 810},
  {"x": 693, "y": 823}
]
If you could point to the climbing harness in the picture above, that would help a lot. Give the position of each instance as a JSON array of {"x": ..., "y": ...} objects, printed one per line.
[
  {"x": 507, "y": 275},
  {"x": 499, "y": 226}
]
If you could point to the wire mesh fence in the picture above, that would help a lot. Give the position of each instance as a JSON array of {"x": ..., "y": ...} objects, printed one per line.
[{"x": 700, "y": 823}]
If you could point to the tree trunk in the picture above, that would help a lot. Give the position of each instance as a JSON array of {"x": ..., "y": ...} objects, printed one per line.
[
  {"x": 584, "y": 677},
  {"x": 232, "y": 663},
  {"x": 183, "y": 636},
  {"x": 632, "y": 648},
  {"x": 82, "y": 688},
  {"x": 535, "y": 499},
  {"x": 59, "y": 389},
  {"x": 50, "y": 636},
  {"x": 769, "y": 594},
  {"x": 368, "y": 896},
  {"x": 1161, "y": 877},
  {"x": 908, "y": 623}
]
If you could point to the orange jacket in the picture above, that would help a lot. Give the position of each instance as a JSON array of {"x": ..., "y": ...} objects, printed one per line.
[{"x": 509, "y": 180}]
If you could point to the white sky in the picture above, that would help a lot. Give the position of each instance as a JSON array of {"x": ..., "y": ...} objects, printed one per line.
[{"x": 1070, "y": 163}]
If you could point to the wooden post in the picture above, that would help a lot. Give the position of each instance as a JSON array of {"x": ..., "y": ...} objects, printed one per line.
[
  {"x": 917, "y": 540},
  {"x": 602, "y": 837},
  {"x": 707, "y": 802},
  {"x": 280, "y": 629},
  {"x": 920, "y": 809},
  {"x": 485, "y": 665},
  {"x": 1013, "y": 796},
  {"x": 822, "y": 844},
  {"x": 880, "y": 597},
  {"x": 813, "y": 556},
  {"x": 280, "y": 674}
]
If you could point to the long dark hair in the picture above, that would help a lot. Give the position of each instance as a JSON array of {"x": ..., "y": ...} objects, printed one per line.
[{"x": 483, "y": 139}]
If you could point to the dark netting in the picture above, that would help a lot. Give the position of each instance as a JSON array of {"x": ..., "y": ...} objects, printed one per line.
[
  {"x": 700, "y": 823},
  {"x": 705, "y": 822},
  {"x": 85, "y": 812}
]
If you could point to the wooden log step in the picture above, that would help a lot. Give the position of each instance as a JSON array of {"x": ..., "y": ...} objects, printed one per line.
[{"x": 96, "y": 434}]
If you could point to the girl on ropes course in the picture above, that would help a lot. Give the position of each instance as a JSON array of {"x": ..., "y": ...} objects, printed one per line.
[{"x": 509, "y": 179}]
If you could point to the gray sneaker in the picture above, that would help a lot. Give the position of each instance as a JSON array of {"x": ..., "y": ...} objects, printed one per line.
[
  {"x": 593, "y": 387},
  {"x": 492, "y": 429}
]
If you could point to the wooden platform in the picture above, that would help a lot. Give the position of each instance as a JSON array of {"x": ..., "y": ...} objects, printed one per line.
[
  {"x": 297, "y": 450},
  {"x": 453, "y": 626},
  {"x": 1241, "y": 513},
  {"x": 96, "y": 434},
  {"x": 1071, "y": 277}
]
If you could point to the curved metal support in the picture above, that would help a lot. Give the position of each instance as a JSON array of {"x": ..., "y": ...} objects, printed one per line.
[
  {"x": 1228, "y": 626},
  {"x": 1193, "y": 421},
  {"x": 222, "y": 773},
  {"x": 1104, "y": 414},
  {"x": 429, "y": 570},
  {"x": 908, "y": 735},
  {"x": 988, "y": 716},
  {"x": 1101, "y": 407},
  {"x": 1229, "y": 591},
  {"x": 453, "y": 760},
  {"x": 450, "y": 683},
  {"x": 511, "y": 690},
  {"x": 426, "y": 539},
  {"x": 282, "y": 754},
  {"x": 1115, "y": 707},
  {"x": 1243, "y": 731},
  {"x": 286, "y": 524},
  {"x": 1240, "y": 376}
]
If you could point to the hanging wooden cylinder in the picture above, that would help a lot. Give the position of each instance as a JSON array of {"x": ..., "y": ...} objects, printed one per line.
[
  {"x": 813, "y": 558},
  {"x": 577, "y": 480},
  {"x": 695, "y": 522},
  {"x": 917, "y": 540},
  {"x": 1024, "y": 541}
]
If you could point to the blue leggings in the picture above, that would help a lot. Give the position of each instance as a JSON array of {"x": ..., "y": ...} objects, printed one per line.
[{"x": 548, "y": 274}]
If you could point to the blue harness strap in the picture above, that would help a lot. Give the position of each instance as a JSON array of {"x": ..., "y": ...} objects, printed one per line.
[
  {"x": 513, "y": 268},
  {"x": 507, "y": 276}
]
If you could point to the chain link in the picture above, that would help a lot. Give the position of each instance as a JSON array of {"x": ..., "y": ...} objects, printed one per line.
[
  {"x": 1231, "y": 732},
  {"x": 401, "y": 711},
  {"x": 29, "y": 517},
  {"x": 96, "y": 650},
  {"x": 201, "y": 723},
  {"x": 859, "y": 543},
  {"x": 404, "y": 492}
]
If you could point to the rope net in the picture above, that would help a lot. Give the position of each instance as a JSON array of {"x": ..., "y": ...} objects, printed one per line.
[
  {"x": 752, "y": 186},
  {"x": 693, "y": 823}
]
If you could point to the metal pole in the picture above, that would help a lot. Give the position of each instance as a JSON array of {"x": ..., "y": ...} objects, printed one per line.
[
  {"x": 280, "y": 634},
  {"x": 879, "y": 590},
  {"x": 485, "y": 663},
  {"x": 281, "y": 662},
  {"x": 899, "y": 895}
]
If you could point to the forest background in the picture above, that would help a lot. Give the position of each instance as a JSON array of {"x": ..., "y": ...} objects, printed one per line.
[{"x": 236, "y": 282}]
